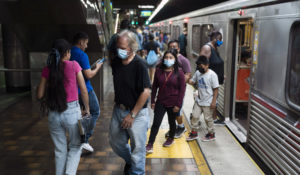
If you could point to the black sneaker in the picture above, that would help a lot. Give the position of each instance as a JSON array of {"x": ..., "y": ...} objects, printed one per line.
[
  {"x": 127, "y": 169},
  {"x": 219, "y": 122},
  {"x": 192, "y": 136},
  {"x": 179, "y": 132}
]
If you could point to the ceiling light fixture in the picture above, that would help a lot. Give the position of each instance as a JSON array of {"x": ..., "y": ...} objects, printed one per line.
[
  {"x": 146, "y": 6},
  {"x": 159, "y": 7}
]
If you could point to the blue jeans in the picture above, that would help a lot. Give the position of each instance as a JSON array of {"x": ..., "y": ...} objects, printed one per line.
[
  {"x": 135, "y": 154},
  {"x": 67, "y": 156},
  {"x": 95, "y": 113}
]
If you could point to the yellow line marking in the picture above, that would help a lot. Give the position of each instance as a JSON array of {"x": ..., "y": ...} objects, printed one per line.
[
  {"x": 198, "y": 156},
  {"x": 180, "y": 148},
  {"x": 245, "y": 152}
]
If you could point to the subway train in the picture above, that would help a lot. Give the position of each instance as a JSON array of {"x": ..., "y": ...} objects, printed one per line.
[{"x": 260, "y": 99}]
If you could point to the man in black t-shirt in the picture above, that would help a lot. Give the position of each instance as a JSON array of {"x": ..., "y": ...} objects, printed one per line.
[{"x": 130, "y": 115}]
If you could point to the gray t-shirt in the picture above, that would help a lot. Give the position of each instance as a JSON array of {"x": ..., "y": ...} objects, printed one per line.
[{"x": 206, "y": 83}]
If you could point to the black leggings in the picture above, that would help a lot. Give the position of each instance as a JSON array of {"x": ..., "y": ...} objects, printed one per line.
[{"x": 159, "y": 112}]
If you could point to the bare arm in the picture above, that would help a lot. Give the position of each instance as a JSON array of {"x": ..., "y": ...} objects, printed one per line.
[
  {"x": 205, "y": 51},
  {"x": 41, "y": 88},
  {"x": 84, "y": 92},
  {"x": 214, "y": 100},
  {"x": 128, "y": 120},
  {"x": 187, "y": 76},
  {"x": 90, "y": 73}
]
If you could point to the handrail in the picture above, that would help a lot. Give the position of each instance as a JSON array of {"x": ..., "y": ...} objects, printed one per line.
[{"x": 20, "y": 70}]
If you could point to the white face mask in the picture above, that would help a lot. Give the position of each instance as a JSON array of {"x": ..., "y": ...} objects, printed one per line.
[{"x": 122, "y": 54}]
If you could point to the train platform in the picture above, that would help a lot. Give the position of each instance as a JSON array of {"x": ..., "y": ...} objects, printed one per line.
[{"x": 27, "y": 148}]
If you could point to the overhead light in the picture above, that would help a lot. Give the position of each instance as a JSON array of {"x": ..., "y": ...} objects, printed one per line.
[
  {"x": 85, "y": 5},
  {"x": 146, "y": 6},
  {"x": 117, "y": 9},
  {"x": 159, "y": 7},
  {"x": 117, "y": 21}
]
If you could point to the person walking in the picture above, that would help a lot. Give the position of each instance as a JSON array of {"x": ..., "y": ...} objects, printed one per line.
[
  {"x": 130, "y": 116},
  {"x": 80, "y": 42},
  {"x": 170, "y": 82},
  {"x": 58, "y": 89}
]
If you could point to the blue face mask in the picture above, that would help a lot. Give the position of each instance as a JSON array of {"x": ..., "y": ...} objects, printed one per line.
[
  {"x": 122, "y": 54},
  {"x": 169, "y": 63},
  {"x": 219, "y": 43}
]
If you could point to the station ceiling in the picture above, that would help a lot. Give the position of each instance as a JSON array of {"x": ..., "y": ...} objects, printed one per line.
[{"x": 171, "y": 9}]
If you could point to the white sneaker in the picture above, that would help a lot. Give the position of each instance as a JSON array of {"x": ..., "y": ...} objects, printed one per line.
[{"x": 87, "y": 147}]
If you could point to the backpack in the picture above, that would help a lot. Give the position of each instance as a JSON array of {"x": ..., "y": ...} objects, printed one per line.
[{"x": 152, "y": 57}]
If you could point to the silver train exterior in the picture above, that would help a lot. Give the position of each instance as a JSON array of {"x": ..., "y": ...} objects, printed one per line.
[{"x": 270, "y": 31}]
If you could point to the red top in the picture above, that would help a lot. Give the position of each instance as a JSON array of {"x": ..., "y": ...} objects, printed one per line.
[{"x": 171, "y": 94}]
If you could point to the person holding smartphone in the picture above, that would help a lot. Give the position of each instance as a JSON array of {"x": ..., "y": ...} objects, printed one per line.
[{"x": 80, "y": 42}]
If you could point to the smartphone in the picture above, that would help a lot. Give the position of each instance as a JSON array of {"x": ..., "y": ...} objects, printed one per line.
[{"x": 101, "y": 60}]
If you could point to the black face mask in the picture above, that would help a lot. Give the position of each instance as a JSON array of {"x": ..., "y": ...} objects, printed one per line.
[{"x": 201, "y": 70}]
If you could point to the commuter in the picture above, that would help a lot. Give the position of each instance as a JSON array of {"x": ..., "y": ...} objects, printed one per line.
[
  {"x": 216, "y": 63},
  {"x": 184, "y": 64},
  {"x": 80, "y": 42},
  {"x": 152, "y": 45},
  {"x": 130, "y": 114},
  {"x": 208, "y": 84},
  {"x": 183, "y": 42},
  {"x": 58, "y": 88},
  {"x": 112, "y": 45},
  {"x": 170, "y": 81}
]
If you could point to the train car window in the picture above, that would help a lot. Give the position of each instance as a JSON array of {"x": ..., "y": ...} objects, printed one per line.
[
  {"x": 293, "y": 74},
  {"x": 196, "y": 38},
  {"x": 174, "y": 33},
  {"x": 206, "y": 29},
  {"x": 177, "y": 33}
]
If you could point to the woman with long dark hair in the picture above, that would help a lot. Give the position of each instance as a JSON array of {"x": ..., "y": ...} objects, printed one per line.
[
  {"x": 170, "y": 81},
  {"x": 58, "y": 88}
]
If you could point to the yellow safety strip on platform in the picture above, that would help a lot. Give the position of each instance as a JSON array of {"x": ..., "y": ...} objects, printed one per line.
[
  {"x": 245, "y": 152},
  {"x": 198, "y": 156},
  {"x": 179, "y": 149}
]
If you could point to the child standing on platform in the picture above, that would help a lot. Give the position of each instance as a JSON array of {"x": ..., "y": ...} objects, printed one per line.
[{"x": 208, "y": 84}]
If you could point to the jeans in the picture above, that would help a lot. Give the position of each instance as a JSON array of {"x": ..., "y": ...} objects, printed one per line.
[
  {"x": 159, "y": 112},
  {"x": 95, "y": 113},
  {"x": 135, "y": 154},
  {"x": 67, "y": 156}
]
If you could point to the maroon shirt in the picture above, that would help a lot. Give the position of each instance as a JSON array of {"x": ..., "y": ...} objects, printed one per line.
[{"x": 173, "y": 92}]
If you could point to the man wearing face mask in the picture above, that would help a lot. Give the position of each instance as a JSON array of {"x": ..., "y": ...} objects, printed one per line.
[
  {"x": 208, "y": 84},
  {"x": 130, "y": 114},
  {"x": 216, "y": 63}
]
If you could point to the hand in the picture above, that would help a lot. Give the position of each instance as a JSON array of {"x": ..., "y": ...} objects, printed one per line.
[
  {"x": 213, "y": 105},
  {"x": 98, "y": 65},
  {"x": 127, "y": 122},
  {"x": 85, "y": 113},
  {"x": 153, "y": 106},
  {"x": 176, "y": 109}
]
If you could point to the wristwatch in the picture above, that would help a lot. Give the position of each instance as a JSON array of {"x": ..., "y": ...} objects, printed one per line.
[{"x": 132, "y": 114}]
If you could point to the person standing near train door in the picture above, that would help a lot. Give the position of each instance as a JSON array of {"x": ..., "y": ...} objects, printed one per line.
[{"x": 216, "y": 63}]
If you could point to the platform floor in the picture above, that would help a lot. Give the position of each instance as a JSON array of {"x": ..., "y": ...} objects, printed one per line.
[{"x": 26, "y": 147}]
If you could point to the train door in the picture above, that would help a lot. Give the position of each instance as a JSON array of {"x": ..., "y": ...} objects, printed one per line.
[{"x": 242, "y": 46}]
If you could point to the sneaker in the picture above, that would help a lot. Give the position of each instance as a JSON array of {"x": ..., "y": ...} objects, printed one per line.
[
  {"x": 179, "y": 132},
  {"x": 209, "y": 137},
  {"x": 192, "y": 136},
  {"x": 87, "y": 147},
  {"x": 218, "y": 122},
  {"x": 149, "y": 148},
  {"x": 168, "y": 142},
  {"x": 127, "y": 169}
]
